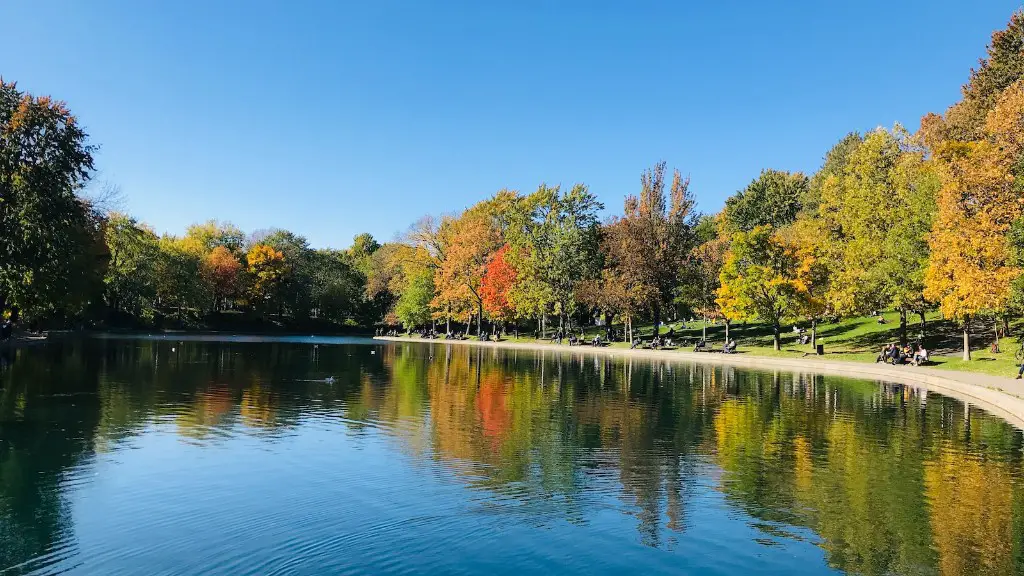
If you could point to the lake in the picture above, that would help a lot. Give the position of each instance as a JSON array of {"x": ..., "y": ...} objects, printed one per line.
[{"x": 330, "y": 456}]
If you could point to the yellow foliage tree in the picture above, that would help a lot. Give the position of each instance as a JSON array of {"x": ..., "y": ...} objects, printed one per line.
[{"x": 971, "y": 268}]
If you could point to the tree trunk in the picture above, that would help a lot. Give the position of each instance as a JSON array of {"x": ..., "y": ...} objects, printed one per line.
[
  {"x": 704, "y": 330},
  {"x": 448, "y": 324},
  {"x": 480, "y": 318},
  {"x": 776, "y": 335},
  {"x": 903, "y": 326},
  {"x": 967, "y": 339},
  {"x": 1006, "y": 326},
  {"x": 657, "y": 320},
  {"x": 924, "y": 323},
  {"x": 726, "y": 330},
  {"x": 814, "y": 334},
  {"x": 995, "y": 328}
]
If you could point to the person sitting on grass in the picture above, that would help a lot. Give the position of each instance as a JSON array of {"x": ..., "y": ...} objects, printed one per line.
[
  {"x": 700, "y": 345},
  {"x": 881, "y": 319},
  {"x": 921, "y": 356},
  {"x": 635, "y": 343},
  {"x": 883, "y": 356},
  {"x": 894, "y": 354},
  {"x": 729, "y": 347}
]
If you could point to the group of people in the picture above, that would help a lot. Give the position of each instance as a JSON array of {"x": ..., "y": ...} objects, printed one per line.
[{"x": 896, "y": 355}]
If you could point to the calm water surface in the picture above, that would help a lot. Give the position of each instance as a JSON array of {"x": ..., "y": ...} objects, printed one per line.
[{"x": 160, "y": 456}]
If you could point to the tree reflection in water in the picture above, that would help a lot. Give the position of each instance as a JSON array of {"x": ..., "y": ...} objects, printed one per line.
[{"x": 885, "y": 479}]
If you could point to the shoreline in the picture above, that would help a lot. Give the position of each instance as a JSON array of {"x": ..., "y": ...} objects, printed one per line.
[{"x": 1003, "y": 397}]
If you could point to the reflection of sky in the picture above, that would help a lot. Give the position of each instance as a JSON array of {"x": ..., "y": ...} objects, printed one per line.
[{"x": 322, "y": 500}]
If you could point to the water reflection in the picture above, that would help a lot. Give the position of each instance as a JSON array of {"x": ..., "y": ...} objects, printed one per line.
[{"x": 877, "y": 478}]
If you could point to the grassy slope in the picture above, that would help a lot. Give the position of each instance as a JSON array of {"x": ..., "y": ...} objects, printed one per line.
[{"x": 857, "y": 339}]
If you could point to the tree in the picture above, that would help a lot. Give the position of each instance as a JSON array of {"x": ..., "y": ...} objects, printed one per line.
[
  {"x": 46, "y": 231},
  {"x": 759, "y": 279},
  {"x": 294, "y": 288},
  {"x": 267, "y": 268},
  {"x": 413, "y": 307},
  {"x": 650, "y": 245},
  {"x": 1004, "y": 65},
  {"x": 474, "y": 236},
  {"x": 971, "y": 269},
  {"x": 701, "y": 289},
  {"x": 876, "y": 213},
  {"x": 181, "y": 279},
  {"x": 833, "y": 165},
  {"x": 204, "y": 238},
  {"x": 814, "y": 274},
  {"x": 130, "y": 279},
  {"x": 497, "y": 285},
  {"x": 554, "y": 244},
  {"x": 771, "y": 199},
  {"x": 336, "y": 287},
  {"x": 223, "y": 272}
]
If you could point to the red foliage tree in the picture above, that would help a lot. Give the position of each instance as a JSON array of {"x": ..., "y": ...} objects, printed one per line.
[{"x": 499, "y": 278}]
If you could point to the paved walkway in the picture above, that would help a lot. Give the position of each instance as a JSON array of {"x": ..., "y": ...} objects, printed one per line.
[{"x": 1001, "y": 396}]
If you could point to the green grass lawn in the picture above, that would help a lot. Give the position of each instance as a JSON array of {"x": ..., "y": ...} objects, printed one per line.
[{"x": 856, "y": 339}]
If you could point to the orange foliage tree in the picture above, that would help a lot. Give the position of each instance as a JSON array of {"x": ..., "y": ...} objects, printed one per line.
[
  {"x": 474, "y": 237},
  {"x": 498, "y": 281},
  {"x": 223, "y": 271}
]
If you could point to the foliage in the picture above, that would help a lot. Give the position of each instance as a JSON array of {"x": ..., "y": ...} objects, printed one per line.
[
  {"x": 47, "y": 233},
  {"x": 553, "y": 239},
  {"x": 651, "y": 244},
  {"x": 474, "y": 236},
  {"x": 498, "y": 282},
  {"x": 971, "y": 269},
  {"x": 772, "y": 199},
  {"x": 267, "y": 268},
  {"x": 876, "y": 213},
  {"x": 223, "y": 273},
  {"x": 130, "y": 280},
  {"x": 759, "y": 279},
  {"x": 413, "y": 307}
]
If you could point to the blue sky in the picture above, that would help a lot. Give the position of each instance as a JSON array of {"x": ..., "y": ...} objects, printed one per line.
[{"x": 332, "y": 118}]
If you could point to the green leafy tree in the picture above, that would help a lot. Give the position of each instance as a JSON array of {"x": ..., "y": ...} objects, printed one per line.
[
  {"x": 772, "y": 199},
  {"x": 47, "y": 234},
  {"x": 554, "y": 243},
  {"x": 182, "y": 281},
  {"x": 877, "y": 213},
  {"x": 131, "y": 275},
  {"x": 413, "y": 307}
]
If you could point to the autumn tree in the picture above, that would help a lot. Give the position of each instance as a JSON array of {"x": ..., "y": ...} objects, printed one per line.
[
  {"x": 266, "y": 267},
  {"x": 498, "y": 282},
  {"x": 759, "y": 279},
  {"x": 203, "y": 238},
  {"x": 474, "y": 236},
  {"x": 876, "y": 213},
  {"x": 223, "y": 272},
  {"x": 649, "y": 247},
  {"x": 971, "y": 268}
]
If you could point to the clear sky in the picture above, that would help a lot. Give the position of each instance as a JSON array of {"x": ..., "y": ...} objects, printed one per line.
[{"x": 332, "y": 118}]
